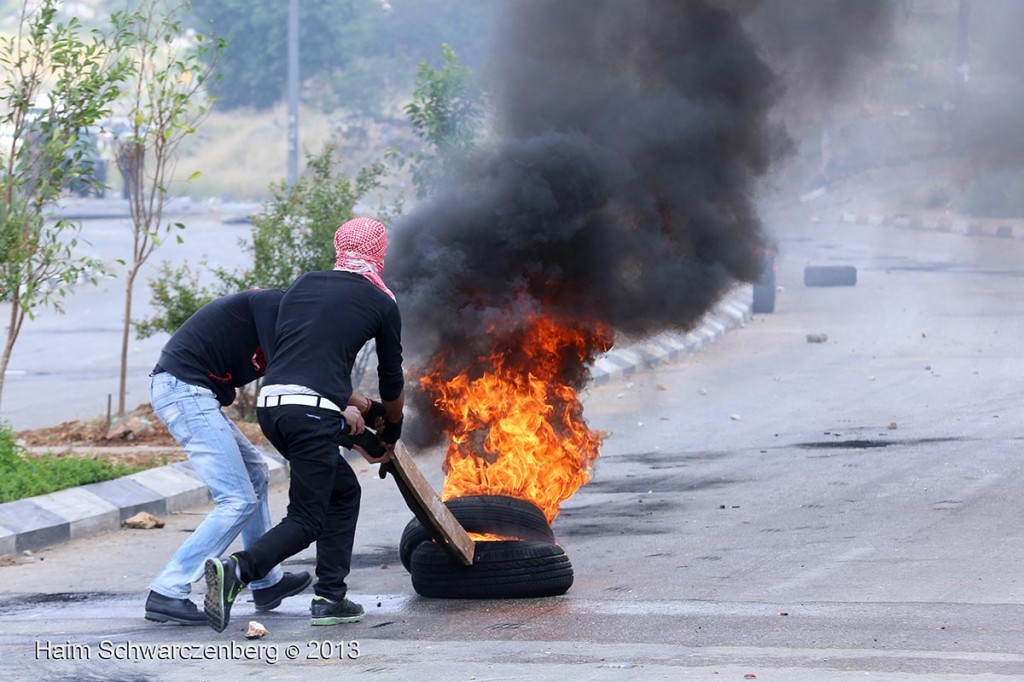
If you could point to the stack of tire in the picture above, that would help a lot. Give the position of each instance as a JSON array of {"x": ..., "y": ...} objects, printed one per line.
[{"x": 529, "y": 564}]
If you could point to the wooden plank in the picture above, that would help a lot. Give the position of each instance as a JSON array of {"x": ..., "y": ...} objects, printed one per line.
[{"x": 448, "y": 527}]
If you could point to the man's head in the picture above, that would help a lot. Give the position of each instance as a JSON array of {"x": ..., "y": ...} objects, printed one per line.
[{"x": 360, "y": 246}]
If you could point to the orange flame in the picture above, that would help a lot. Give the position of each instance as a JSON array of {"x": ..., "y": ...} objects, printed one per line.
[
  {"x": 516, "y": 427},
  {"x": 489, "y": 537}
]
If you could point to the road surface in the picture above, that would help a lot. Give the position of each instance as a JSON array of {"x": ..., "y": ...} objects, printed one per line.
[{"x": 796, "y": 511}]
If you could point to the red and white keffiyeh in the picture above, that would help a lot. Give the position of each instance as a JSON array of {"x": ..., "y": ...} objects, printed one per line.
[{"x": 360, "y": 245}]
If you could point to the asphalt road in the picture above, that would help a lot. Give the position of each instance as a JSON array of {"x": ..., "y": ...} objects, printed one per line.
[{"x": 797, "y": 511}]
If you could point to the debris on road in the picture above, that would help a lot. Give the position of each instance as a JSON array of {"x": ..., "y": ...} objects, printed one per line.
[
  {"x": 735, "y": 417},
  {"x": 817, "y": 338},
  {"x": 144, "y": 521},
  {"x": 893, "y": 426},
  {"x": 256, "y": 630}
]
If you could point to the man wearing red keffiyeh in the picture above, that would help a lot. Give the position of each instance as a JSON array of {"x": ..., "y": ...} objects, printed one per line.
[{"x": 324, "y": 319}]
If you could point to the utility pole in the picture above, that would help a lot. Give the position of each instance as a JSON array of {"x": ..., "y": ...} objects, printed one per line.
[
  {"x": 963, "y": 71},
  {"x": 293, "y": 92}
]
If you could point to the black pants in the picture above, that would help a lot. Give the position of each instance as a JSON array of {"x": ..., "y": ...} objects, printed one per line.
[{"x": 323, "y": 498}]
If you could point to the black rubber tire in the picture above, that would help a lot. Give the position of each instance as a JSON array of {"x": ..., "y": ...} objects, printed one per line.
[
  {"x": 496, "y": 514},
  {"x": 830, "y": 276},
  {"x": 500, "y": 570}
]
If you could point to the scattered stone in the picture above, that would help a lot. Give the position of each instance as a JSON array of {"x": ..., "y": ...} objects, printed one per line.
[
  {"x": 928, "y": 368},
  {"x": 817, "y": 338},
  {"x": 661, "y": 387},
  {"x": 129, "y": 428},
  {"x": 893, "y": 426},
  {"x": 144, "y": 521},
  {"x": 8, "y": 560},
  {"x": 735, "y": 417},
  {"x": 783, "y": 613},
  {"x": 256, "y": 630},
  {"x": 384, "y": 566},
  {"x": 702, "y": 391}
]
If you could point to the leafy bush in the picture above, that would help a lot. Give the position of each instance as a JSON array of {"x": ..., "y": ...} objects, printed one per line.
[
  {"x": 996, "y": 194},
  {"x": 22, "y": 475}
]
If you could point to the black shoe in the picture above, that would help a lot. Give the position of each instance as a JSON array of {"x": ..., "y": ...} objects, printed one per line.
[
  {"x": 328, "y": 612},
  {"x": 290, "y": 585},
  {"x": 168, "y": 609},
  {"x": 222, "y": 587}
]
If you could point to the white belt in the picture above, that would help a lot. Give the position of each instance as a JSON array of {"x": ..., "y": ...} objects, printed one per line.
[{"x": 298, "y": 399}]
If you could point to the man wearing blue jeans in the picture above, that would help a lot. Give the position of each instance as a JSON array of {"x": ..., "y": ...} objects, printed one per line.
[{"x": 218, "y": 349}]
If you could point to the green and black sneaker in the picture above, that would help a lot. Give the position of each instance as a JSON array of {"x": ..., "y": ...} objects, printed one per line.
[
  {"x": 329, "y": 612},
  {"x": 222, "y": 587}
]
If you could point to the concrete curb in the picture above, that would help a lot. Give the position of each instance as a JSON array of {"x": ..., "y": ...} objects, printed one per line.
[
  {"x": 1003, "y": 230},
  {"x": 45, "y": 520},
  {"x": 731, "y": 312}
]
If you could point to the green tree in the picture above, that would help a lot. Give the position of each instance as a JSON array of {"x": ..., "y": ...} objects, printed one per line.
[
  {"x": 294, "y": 233},
  {"x": 166, "y": 101},
  {"x": 79, "y": 73},
  {"x": 254, "y": 64},
  {"x": 447, "y": 112}
]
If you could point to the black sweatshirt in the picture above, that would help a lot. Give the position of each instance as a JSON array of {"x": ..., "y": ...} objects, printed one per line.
[
  {"x": 324, "y": 320},
  {"x": 215, "y": 347}
]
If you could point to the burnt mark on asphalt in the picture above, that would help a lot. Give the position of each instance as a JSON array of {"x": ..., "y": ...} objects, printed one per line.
[
  {"x": 380, "y": 555},
  {"x": 662, "y": 483},
  {"x": 660, "y": 459},
  {"x": 866, "y": 444},
  {"x": 30, "y": 600},
  {"x": 89, "y": 677},
  {"x": 633, "y": 517}
]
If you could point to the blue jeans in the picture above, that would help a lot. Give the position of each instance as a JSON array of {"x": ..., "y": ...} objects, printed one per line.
[{"x": 234, "y": 472}]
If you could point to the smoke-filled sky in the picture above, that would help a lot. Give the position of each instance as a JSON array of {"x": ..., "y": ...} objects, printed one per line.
[{"x": 632, "y": 136}]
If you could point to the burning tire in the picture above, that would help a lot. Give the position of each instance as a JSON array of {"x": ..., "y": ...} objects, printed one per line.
[
  {"x": 493, "y": 514},
  {"x": 500, "y": 570},
  {"x": 830, "y": 276}
]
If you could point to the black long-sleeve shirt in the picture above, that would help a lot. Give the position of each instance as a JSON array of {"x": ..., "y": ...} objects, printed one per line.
[
  {"x": 215, "y": 347},
  {"x": 325, "y": 318}
]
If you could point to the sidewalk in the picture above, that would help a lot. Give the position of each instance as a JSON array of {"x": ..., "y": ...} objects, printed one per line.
[{"x": 45, "y": 520}]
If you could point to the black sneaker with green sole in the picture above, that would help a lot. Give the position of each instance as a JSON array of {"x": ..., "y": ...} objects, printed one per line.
[
  {"x": 329, "y": 612},
  {"x": 222, "y": 587}
]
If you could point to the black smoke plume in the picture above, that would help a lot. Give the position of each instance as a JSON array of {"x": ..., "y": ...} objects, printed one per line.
[{"x": 631, "y": 138}]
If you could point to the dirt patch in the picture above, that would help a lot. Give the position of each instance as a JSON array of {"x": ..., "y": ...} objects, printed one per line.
[{"x": 139, "y": 439}]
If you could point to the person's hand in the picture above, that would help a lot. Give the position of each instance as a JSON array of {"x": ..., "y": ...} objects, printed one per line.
[
  {"x": 354, "y": 420},
  {"x": 386, "y": 457},
  {"x": 391, "y": 432},
  {"x": 373, "y": 415}
]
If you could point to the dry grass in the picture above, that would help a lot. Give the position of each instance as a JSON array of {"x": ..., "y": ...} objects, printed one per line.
[{"x": 240, "y": 153}]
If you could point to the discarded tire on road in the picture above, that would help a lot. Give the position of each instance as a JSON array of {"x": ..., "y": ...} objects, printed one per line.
[
  {"x": 830, "y": 276},
  {"x": 531, "y": 565},
  {"x": 495, "y": 514},
  {"x": 500, "y": 570}
]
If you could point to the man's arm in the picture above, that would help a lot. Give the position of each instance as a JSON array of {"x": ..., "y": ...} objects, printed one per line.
[{"x": 390, "y": 377}]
